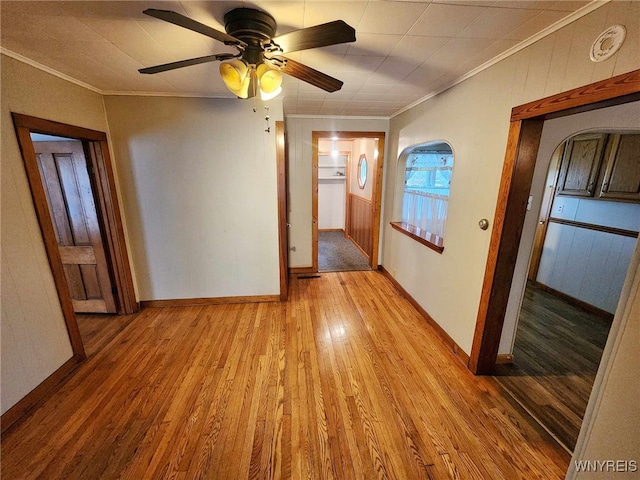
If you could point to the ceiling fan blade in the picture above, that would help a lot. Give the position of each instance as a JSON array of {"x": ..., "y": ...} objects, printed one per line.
[
  {"x": 308, "y": 74},
  {"x": 186, "y": 22},
  {"x": 185, "y": 63},
  {"x": 323, "y": 35}
]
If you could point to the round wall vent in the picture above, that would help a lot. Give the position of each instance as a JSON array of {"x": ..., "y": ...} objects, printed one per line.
[{"x": 608, "y": 43}]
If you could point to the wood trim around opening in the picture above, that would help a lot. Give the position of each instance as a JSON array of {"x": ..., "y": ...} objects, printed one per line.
[
  {"x": 283, "y": 230},
  {"x": 522, "y": 146},
  {"x": 49, "y": 238},
  {"x": 104, "y": 184},
  {"x": 315, "y": 137}
]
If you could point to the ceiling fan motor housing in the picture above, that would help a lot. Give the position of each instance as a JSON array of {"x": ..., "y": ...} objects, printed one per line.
[{"x": 253, "y": 27}]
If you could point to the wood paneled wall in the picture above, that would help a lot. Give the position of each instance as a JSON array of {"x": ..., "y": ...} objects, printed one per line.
[
  {"x": 360, "y": 223},
  {"x": 586, "y": 264}
]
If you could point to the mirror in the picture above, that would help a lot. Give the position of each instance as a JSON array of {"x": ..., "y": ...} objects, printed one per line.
[{"x": 362, "y": 171}]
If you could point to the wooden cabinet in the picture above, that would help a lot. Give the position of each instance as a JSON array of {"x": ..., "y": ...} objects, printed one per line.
[
  {"x": 581, "y": 165},
  {"x": 621, "y": 174},
  {"x": 608, "y": 164}
]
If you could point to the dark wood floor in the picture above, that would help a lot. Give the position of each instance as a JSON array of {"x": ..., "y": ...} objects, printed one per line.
[
  {"x": 556, "y": 356},
  {"x": 345, "y": 380}
]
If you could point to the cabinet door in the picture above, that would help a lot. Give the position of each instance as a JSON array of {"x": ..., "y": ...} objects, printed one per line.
[
  {"x": 580, "y": 165},
  {"x": 621, "y": 179}
]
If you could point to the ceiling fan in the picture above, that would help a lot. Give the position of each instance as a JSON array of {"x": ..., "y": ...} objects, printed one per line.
[{"x": 258, "y": 65}]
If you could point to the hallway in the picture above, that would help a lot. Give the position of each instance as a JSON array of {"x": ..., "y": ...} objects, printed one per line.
[{"x": 336, "y": 253}]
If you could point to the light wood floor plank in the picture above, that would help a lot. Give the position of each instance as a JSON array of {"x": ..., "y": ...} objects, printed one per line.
[{"x": 343, "y": 381}]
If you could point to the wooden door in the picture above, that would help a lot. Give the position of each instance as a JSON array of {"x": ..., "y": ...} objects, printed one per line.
[{"x": 63, "y": 169}]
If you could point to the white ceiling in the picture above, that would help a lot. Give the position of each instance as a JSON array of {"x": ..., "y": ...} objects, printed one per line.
[{"x": 405, "y": 50}]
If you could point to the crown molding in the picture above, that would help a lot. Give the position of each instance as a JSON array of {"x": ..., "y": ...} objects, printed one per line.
[
  {"x": 44, "y": 68},
  {"x": 341, "y": 117},
  {"x": 113, "y": 93},
  {"x": 590, "y": 7}
]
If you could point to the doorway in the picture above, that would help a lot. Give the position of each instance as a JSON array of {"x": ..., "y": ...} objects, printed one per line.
[
  {"x": 583, "y": 244},
  {"x": 523, "y": 142},
  {"x": 73, "y": 189},
  {"x": 346, "y": 196}
]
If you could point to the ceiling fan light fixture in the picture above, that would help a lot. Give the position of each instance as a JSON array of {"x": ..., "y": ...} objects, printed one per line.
[
  {"x": 268, "y": 96},
  {"x": 251, "y": 32},
  {"x": 234, "y": 75},
  {"x": 269, "y": 77}
]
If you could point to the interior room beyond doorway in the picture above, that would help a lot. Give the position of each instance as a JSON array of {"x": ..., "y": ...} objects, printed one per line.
[{"x": 347, "y": 217}]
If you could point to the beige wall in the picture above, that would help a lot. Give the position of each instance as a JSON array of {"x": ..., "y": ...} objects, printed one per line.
[
  {"x": 35, "y": 342},
  {"x": 299, "y": 130},
  {"x": 366, "y": 146},
  {"x": 474, "y": 118},
  {"x": 198, "y": 181}
]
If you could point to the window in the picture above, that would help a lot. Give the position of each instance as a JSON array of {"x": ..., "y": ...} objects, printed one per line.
[
  {"x": 425, "y": 198},
  {"x": 362, "y": 171}
]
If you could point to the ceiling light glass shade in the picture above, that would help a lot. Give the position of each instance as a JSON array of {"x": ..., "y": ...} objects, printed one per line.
[
  {"x": 268, "y": 96},
  {"x": 234, "y": 75},
  {"x": 270, "y": 80}
]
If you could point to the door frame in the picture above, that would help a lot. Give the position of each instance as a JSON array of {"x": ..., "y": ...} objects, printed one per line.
[
  {"x": 545, "y": 212},
  {"x": 107, "y": 206},
  {"x": 525, "y": 132},
  {"x": 376, "y": 193},
  {"x": 283, "y": 224}
]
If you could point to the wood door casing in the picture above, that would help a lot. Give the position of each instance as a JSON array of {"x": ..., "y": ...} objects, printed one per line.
[
  {"x": 376, "y": 195},
  {"x": 545, "y": 211},
  {"x": 283, "y": 223},
  {"x": 67, "y": 185}
]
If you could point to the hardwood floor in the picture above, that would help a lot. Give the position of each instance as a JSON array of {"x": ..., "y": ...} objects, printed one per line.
[
  {"x": 98, "y": 330},
  {"x": 345, "y": 380},
  {"x": 556, "y": 356}
]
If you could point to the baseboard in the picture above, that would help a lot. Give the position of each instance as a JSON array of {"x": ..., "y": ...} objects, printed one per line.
[
  {"x": 298, "y": 270},
  {"x": 39, "y": 394},
  {"x": 186, "y": 302},
  {"x": 444, "y": 336},
  {"x": 331, "y": 230},
  {"x": 575, "y": 302},
  {"x": 504, "y": 358}
]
